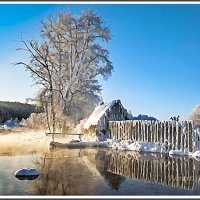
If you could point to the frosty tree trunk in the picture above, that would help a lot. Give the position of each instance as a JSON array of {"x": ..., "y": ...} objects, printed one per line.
[
  {"x": 53, "y": 112},
  {"x": 69, "y": 104},
  {"x": 47, "y": 115}
]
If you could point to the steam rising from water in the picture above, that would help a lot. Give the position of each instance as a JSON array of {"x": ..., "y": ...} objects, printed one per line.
[{"x": 26, "y": 141}]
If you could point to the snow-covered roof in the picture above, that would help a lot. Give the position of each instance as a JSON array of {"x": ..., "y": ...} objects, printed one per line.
[{"x": 98, "y": 113}]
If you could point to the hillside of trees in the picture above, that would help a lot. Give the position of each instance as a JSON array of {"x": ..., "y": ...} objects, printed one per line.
[
  {"x": 14, "y": 110},
  {"x": 144, "y": 117}
]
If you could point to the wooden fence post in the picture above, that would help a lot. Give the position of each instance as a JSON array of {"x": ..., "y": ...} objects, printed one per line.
[
  {"x": 186, "y": 136},
  {"x": 156, "y": 132},
  {"x": 178, "y": 129},
  {"x": 152, "y": 131},
  {"x": 169, "y": 140},
  {"x": 142, "y": 131},
  {"x": 170, "y": 134},
  {"x": 191, "y": 149},
  {"x": 139, "y": 132},
  {"x": 118, "y": 129}
]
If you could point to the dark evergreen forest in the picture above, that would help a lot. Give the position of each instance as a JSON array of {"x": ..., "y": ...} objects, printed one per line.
[{"x": 14, "y": 110}]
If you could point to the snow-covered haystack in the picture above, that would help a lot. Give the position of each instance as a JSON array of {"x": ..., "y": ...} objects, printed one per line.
[{"x": 27, "y": 173}]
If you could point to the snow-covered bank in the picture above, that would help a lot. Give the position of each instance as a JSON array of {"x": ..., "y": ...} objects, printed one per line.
[
  {"x": 129, "y": 146},
  {"x": 149, "y": 147},
  {"x": 178, "y": 152},
  {"x": 135, "y": 146},
  {"x": 9, "y": 124}
]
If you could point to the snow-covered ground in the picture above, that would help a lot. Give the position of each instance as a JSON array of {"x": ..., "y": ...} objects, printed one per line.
[
  {"x": 141, "y": 147},
  {"x": 9, "y": 124},
  {"x": 148, "y": 147}
]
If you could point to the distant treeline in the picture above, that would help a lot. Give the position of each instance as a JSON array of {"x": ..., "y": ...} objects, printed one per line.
[
  {"x": 14, "y": 110},
  {"x": 144, "y": 117}
]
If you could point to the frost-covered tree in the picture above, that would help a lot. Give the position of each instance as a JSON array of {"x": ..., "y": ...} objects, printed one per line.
[
  {"x": 42, "y": 71},
  {"x": 78, "y": 55},
  {"x": 68, "y": 60},
  {"x": 195, "y": 115}
]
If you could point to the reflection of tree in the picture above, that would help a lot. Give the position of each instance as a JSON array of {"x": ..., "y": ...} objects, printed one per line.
[
  {"x": 65, "y": 172},
  {"x": 79, "y": 172},
  {"x": 43, "y": 182},
  {"x": 102, "y": 161}
]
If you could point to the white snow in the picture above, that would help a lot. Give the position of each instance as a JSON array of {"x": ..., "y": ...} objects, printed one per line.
[
  {"x": 4, "y": 127},
  {"x": 98, "y": 113},
  {"x": 147, "y": 147},
  {"x": 9, "y": 124},
  {"x": 129, "y": 146},
  {"x": 196, "y": 154},
  {"x": 178, "y": 152},
  {"x": 137, "y": 146},
  {"x": 134, "y": 146}
]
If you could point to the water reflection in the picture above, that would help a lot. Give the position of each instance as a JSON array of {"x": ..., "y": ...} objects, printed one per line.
[
  {"x": 177, "y": 172},
  {"x": 68, "y": 172},
  {"x": 27, "y": 177},
  {"x": 83, "y": 172},
  {"x": 102, "y": 160}
]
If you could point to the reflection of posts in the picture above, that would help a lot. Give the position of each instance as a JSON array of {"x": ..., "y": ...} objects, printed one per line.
[
  {"x": 102, "y": 164},
  {"x": 173, "y": 172}
]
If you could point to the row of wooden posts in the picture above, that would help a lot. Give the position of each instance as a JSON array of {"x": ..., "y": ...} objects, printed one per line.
[
  {"x": 174, "y": 172},
  {"x": 171, "y": 134}
]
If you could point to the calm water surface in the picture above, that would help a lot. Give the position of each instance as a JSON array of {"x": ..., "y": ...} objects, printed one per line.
[{"x": 100, "y": 172}]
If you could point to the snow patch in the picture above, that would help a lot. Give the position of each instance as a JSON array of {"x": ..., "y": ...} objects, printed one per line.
[
  {"x": 9, "y": 124},
  {"x": 178, "y": 152},
  {"x": 196, "y": 154},
  {"x": 98, "y": 113},
  {"x": 5, "y": 127},
  {"x": 134, "y": 146},
  {"x": 147, "y": 147}
]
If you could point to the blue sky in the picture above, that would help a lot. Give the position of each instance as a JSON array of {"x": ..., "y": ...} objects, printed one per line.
[{"x": 155, "y": 50}]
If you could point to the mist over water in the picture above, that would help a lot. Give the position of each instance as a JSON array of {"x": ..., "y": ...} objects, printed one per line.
[
  {"x": 93, "y": 171},
  {"x": 23, "y": 141}
]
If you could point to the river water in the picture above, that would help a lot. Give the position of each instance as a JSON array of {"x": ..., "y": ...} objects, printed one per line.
[{"x": 100, "y": 172}]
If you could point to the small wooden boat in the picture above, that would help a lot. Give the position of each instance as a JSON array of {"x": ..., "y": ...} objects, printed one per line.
[{"x": 78, "y": 144}]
